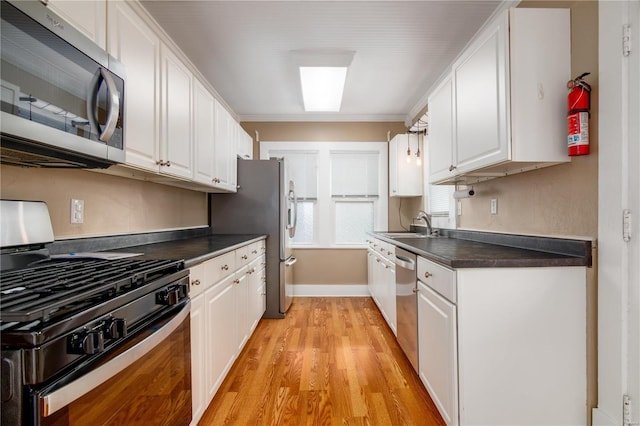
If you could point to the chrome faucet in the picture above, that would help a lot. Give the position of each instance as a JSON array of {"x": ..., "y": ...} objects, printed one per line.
[{"x": 423, "y": 215}]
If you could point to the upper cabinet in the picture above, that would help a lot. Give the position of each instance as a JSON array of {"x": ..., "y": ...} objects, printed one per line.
[
  {"x": 245, "y": 145},
  {"x": 88, "y": 17},
  {"x": 225, "y": 158},
  {"x": 502, "y": 110},
  {"x": 176, "y": 143},
  {"x": 177, "y": 133},
  {"x": 137, "y": 46},
  {"x": 405, "y": 171}
]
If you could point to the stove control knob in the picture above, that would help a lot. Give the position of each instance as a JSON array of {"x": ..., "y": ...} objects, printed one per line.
[
  {"x": 115, "y": 328},
  {"x": 89, "y": 342}
]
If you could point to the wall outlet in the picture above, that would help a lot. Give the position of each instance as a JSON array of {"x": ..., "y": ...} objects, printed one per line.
[
  {"x": 494, "y": 206},
  {"x": 459, "y": 207},
  {"x": 77, "y": 211}
]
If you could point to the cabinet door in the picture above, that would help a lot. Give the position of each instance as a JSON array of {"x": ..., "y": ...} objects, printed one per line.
[
  {"x": 221, "y": 339},
  {"x": 371, "y": 261},
  {"x": 438, "y": 352},
  {"x": 88, "y": 17},
  {"x": 482, "y": 117},
  {"x": 176, "y": 146},
  {"x": 198, "y": 368},
  {"x": 203, "y": 133},
  {"x": 245, "y": 145},
  {"x": 225, "y": 150},
  {"x": 405, "y": 175},
  {"x": 390, "y": 296},
  {"x": 257, "y": 278},
  {"x": 134, "y": 44},
  {"x": 440, "y": 145},
  {"x": 242, "y": 314}
]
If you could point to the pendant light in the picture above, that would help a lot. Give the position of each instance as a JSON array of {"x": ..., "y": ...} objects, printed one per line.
[{"x": 408, "y": 147}]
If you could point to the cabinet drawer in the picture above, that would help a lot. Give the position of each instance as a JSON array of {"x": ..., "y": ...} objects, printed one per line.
[
  {"x": 219, "y": 267},
  {"x": 242, "y": 256},
  {"x": 439, "y": 278},
  {"x": 196, "y": 280},
  {"x": 256, "y": 249}
]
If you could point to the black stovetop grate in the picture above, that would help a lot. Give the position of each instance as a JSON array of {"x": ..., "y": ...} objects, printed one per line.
[{"x": 56, "y": 287}]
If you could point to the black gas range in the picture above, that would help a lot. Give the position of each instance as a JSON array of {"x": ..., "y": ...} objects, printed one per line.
[{"x": 63, "y": 319}]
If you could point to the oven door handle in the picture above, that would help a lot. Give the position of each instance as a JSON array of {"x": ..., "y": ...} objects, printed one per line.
[{"x": 62, "y": 397}]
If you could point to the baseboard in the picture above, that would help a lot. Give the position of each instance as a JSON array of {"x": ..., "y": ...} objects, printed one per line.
[{"x": 330, "y": 290}]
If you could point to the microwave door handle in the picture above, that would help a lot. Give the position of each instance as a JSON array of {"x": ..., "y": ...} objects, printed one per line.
[
  {"x": 113, "y": 107},
  {"x": 92, "y": 100}
]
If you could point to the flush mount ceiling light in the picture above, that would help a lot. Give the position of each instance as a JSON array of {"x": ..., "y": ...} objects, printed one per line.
[{"x": 322, "y": 78}]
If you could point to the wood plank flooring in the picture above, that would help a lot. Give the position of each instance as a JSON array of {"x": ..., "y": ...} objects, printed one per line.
[{"x": 331, "y": 361}]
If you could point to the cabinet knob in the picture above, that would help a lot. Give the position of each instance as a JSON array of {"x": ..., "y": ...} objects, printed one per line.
[
  {"x": 377, "y": 260},
  {"x": 415, "y": 290},
  {"x": 244, "y": 257},
  {"x": 428, "y": 274},
  {"x": 452, "y": 168},
  {"x": 263, "y": 294},
  {"x": 388, "y": 252},
  {"x": 254, "y": 251},
  {"x": 168, "y": 163},
  {"x": 236, "y": 281},
  {"x": 225, "y": 268},
  {"x": 195, "y": 282}
]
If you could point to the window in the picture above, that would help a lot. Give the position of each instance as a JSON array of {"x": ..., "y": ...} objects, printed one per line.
[{"x": 341, "y": 189}]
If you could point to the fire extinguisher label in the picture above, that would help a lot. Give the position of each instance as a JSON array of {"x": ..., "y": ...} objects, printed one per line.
[{"x": 578, "y": 129}]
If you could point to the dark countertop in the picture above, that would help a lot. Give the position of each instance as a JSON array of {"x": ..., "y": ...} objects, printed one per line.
[
  {"x": 192, "y": 245},
  {"x": 193, "y": 250},
  {"x": 470, "y": 249}
]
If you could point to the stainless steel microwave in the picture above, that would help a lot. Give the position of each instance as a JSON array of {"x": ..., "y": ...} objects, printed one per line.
[{"x": 62, "y": 99}]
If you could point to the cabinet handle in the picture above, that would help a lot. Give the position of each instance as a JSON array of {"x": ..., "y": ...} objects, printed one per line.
[
  {"x": 254, "y": 251},
  {"x": 236, "y": 281},
  {"x": 168, "y": 163},
  {"x": 415, "y": 290},
  {"x": 196, "y": 282},
  {"x": 452, "y": 168},
  {"x": 377, "y": 260},
  {"x": 225, "y": 268},
  {"x": 388, "y": 252},
  {"x": 244, "y": 257},
  {"x": 386, "y": 266},
  {"x": 263, "y": 294},
  {"x": 428, "y": 274}
]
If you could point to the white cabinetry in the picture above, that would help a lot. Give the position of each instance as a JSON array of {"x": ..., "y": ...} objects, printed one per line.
[
  {"x": 88, "y": 17},
  {"x": 437, "y": 339},
  {"x": 508, "y": 96},
  {"x": 405, "y": 177},
  {"x": 198, "y": 339},
  {"x": 245, "y": 145},
  {"x": 225, "y": 158},
  {"x": 503, "y": 345},
  {"x": 382, "y": 279},
  {"x": 440, "y": 143},
  {"x": 176, "y": 143},
  {"x": 204, "y": 110},
  {"x": 227, "y": 303},
  {"x": 137, "y": 46}
]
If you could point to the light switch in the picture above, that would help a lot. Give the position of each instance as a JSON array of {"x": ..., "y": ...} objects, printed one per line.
[
  {"x": 77, "y": 211},
  {"x": 494, "y": 206}
]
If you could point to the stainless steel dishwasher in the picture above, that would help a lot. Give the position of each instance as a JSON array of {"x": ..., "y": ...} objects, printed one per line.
[{"x": 407, "y": 304}]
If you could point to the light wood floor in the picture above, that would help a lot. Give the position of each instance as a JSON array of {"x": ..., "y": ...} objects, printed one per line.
[{"x": 331, "y": 361}]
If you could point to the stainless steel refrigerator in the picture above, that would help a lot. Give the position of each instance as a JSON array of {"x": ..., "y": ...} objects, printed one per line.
[{"x": 264, "y": 204}]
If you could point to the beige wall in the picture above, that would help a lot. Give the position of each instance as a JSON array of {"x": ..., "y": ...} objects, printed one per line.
[
  {"x": 113, "y": 205},
  {"x": 325, "y": 266}
]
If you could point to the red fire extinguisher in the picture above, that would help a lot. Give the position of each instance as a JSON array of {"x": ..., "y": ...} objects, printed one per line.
[{"x": 578, "y": 105}]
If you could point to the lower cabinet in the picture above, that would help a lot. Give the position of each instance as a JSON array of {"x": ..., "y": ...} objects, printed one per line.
[
  {"x": 227, "y": 302},
  {"x": 382, "y": 279},
  {"x": 438, "y": 351}
]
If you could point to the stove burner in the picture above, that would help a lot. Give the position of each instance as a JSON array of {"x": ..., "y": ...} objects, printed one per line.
[{"x": 61, "y": 287}]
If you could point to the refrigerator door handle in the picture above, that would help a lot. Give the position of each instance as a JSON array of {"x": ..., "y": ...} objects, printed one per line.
[
  {"x": 292, "y": 213},
  {"x": 290, "y": 261}
]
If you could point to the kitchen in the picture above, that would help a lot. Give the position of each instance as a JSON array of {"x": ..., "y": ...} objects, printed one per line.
[{"x": 563, "y": 200}]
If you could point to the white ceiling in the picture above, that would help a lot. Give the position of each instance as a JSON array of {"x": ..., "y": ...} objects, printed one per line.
[{"x": 244, "y": 49}]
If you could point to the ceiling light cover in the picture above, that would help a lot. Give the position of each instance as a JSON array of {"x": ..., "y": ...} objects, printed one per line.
[{"x": 322, "y": 87}]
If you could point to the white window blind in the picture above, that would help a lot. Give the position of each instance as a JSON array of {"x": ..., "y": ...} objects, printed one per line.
[
  {"x": 354, "y": 174},
  {"x": 302, "y": 167},
  {"x": 439, "y": 199}
]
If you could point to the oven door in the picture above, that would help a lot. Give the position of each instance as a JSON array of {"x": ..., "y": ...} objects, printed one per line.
[{"x": 146, "y": 382}]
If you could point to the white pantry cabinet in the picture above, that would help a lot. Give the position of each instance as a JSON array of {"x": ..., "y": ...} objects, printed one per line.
[
  {"x": 519, "y": 335},
  {"x": 405, "y": 177},
  {"x": 198, "y": 338},
  {"x": 88, "y": 17},
  {"x": 508, "y": 99}
]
